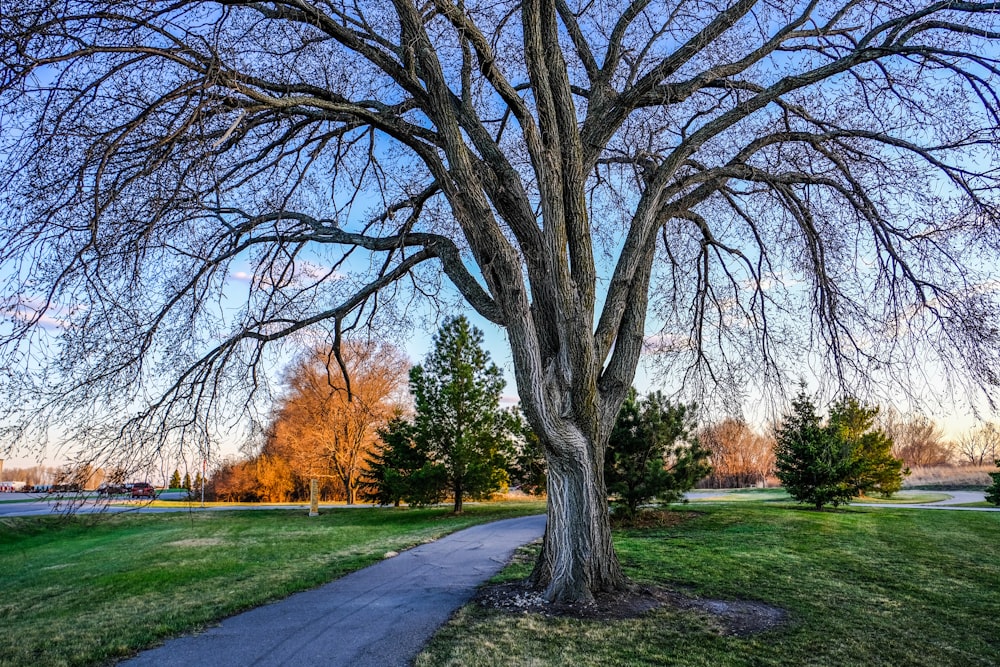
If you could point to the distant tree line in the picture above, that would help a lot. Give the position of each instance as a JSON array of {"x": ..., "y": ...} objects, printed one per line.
[{"x": 348, "y": 422}]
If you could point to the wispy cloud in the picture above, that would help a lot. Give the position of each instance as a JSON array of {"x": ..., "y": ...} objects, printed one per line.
[
  {"x": 662, "y": 343},
  {"x": 47, "y": 316},
  {"x": 241, "y": 276},
  {"x": 305, "y": 272}
]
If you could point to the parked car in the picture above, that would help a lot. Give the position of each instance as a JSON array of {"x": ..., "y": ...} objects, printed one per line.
[
  {"x": 142, "y": 490},
  {"x": 110, "y": 489}
]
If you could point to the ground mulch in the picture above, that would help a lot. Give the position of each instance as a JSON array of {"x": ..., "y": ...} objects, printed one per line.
[{"x": 734, "y": 617}]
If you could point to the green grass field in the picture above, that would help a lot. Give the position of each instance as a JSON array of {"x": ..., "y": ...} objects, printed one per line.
[
  {"x": 860, "y": 587},
  {"x": 86, "y": 590}
]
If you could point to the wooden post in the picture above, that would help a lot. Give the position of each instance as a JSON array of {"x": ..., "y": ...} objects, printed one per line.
[{"x": 314, "y": 497}]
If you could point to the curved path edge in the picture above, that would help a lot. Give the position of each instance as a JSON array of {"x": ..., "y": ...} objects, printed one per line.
[{"x": 381, "y": 615}]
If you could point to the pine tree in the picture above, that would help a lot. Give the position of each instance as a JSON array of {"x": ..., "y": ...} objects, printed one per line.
[
  {"x": 458, "y": 418},
  {"x": 526, "y": 466},
  {"x": 401, "y": 470},
  {"x": 993, "y": 491},
  {"x": 186, "y": 484},
  {"x": 812, "y": 462},
  {"x": 652, "y": 452},
  {"x": 175, "y": 480},
  {"x": 874, "y": 468},
  {"x": 833, "y": 463}
]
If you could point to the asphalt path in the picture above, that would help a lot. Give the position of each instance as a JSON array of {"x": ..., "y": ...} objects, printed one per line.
[
  {"x": 25, "y": 504},
  {"x": 957, "y": 498},
  {"x": 380, "y": 616}
]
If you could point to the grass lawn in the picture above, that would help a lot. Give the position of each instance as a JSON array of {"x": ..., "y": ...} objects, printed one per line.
[
  {"x": 860, "y": 586},
  {"x": 85, "y": 590},
  {"x": 740, "y": 496}
]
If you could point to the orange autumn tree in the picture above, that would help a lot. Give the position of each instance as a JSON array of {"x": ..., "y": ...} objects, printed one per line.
[{"x": 322, "y": 429}]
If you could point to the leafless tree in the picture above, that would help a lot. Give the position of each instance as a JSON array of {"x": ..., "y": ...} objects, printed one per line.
[
  {"x": 762, "y": 184},
  {"x": 980, "y": 446},
  {"x": 917, "y": 440},
  {"x": 740, "y": 456}
]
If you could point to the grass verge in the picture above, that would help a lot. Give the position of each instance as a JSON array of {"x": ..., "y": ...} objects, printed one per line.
[
  {"x": 860, "y": 586},
  {"x": 85, "y": 590}
]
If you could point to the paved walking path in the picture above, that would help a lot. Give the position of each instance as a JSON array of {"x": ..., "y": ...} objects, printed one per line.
[
  {"x": 380, "y": 616},
  {"x": 957, "y": 498}
]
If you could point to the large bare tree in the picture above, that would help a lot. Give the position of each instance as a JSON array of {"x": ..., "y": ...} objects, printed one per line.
[{"x": 761, "y": 184}]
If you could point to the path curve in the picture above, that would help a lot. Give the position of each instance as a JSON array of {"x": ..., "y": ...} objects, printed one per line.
[
  {"x": 379, "y": 616},
  {"x": 957, "y": 498}
]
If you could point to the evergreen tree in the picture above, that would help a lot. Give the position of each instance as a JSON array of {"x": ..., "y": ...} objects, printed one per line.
[
  {"x": 458, "y": 418},
  {"x": 402, "y": 471},
  {"x": 198, "y": 482},
  {"x": 652, "y": 452},
  {"x": 175, "y": 480},
  {"x": 993, "y": 491},
  {"x": 832, "y": 463},
  {"x": 873, "y": 466},
  {"x": 814, "y": 464},
  {"x": 186, "y": 484}
]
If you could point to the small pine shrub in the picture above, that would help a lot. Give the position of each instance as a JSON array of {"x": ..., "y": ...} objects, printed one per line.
[{"x": 993, "y": 491}]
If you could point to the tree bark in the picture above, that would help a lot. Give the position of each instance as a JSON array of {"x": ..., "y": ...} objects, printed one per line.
[{"x": 578, "y": 558}]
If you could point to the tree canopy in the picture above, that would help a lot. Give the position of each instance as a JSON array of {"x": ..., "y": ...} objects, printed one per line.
[
  {"x": 187, "y": 184},
  {"x": 320, "y": 428}
]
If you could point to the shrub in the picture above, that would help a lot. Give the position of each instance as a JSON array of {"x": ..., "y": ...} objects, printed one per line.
[
  {"x": 993, "y": 491},
  {"x": 652, "y": 453}
]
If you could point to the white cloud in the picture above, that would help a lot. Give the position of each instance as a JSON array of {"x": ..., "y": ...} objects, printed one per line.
[
  {"x": 665, "y": 342},
  {"x": 304, "y": 271},
  {"x": 28, "y": 310}
]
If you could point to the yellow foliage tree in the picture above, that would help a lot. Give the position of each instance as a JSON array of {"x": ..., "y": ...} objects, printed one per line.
[{"x": 323, "y": 429}]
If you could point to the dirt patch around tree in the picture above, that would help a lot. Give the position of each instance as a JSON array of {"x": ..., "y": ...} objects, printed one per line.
[{"x": 739, "y": 618}]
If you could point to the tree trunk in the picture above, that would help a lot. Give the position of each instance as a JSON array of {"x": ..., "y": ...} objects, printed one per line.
[
  {"x": 458, "y": 499},
  {"x": 578, "y": 558}
]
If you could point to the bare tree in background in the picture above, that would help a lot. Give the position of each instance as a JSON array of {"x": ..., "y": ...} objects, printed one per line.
[
  {"x": 980, "y": 446},
  {"x": 917, "y": 440},
  {"x": 762, "y": 184},
  {"x": 319, "y": 428},
  {"x": 741, "y": 457}
]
